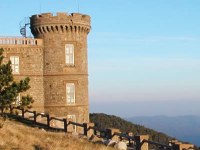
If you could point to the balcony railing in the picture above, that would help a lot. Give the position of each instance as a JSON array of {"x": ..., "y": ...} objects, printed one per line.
[{"x": 20, "y": 41}]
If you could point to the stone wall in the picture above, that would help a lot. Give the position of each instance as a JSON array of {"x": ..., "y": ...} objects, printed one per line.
[{"x": 31, "y": 65}]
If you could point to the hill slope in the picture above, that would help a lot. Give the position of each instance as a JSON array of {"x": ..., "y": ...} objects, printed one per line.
[
  {"x": 109, "y": 121},
  {"x": 15, "y": 135}
]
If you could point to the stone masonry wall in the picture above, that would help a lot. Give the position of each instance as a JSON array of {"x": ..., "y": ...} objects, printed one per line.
[{"x": 31, "y": 65}]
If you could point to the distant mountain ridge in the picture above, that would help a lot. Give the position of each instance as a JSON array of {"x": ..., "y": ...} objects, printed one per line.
[{"x": 186, "y": 128}]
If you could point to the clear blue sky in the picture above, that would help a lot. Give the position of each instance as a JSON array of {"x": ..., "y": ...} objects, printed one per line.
[{"x": 143, "y": 54}]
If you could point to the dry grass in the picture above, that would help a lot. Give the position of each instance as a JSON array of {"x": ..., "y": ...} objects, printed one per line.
[{"x": 16, "y": 136}]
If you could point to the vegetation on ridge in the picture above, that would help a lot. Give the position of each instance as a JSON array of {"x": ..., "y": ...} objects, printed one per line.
[{"x": 105, "y": 121}]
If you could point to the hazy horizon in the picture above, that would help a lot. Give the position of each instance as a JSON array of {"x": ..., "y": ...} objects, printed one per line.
[{"x": 127, "y": 109}]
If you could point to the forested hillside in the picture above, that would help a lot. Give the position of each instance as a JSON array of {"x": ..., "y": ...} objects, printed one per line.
[{"x": 109, "y": 121}]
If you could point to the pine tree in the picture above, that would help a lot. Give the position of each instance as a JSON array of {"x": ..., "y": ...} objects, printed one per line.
[{"x": 9, "y": 89}]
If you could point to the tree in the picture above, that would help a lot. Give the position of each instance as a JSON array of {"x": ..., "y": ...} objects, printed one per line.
[{"x": 10, "y": 89}]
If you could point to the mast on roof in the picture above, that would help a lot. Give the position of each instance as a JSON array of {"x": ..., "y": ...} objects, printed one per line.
[{"x": 23, "y": 27}]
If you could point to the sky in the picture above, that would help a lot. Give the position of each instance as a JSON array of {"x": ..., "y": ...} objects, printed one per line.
[{"x": 144, "y": 55}]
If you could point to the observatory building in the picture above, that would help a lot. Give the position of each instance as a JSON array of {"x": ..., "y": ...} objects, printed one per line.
[{"x": 56, "y": 62}]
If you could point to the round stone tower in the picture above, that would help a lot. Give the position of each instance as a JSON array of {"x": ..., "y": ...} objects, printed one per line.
[{"x": 65, "y": 63}]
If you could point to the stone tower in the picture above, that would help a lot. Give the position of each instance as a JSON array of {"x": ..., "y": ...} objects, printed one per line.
[{"x": 65, "y": 67}]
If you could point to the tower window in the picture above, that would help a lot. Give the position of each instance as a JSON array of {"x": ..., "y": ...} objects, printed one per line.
[
  {"x": 69, "y": 54},
  {"x": 15, "y": 64},
  {"x": 70, "y": 93}
]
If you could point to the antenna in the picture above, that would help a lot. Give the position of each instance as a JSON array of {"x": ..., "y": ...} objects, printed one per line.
[
  {"x": 40, "y": 3},
  {"x": 77, "y": 5},
  {"x": 23, "y": 24}
]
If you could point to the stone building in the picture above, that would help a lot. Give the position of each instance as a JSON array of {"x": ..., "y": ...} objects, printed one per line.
[{"x": 56, "y": 62}]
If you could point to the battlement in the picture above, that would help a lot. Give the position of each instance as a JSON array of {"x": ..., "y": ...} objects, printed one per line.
[
  {"x": 63, "y": 16},
  {"x": 59, "y": 22},
  {"x": 20, "y": 41}
]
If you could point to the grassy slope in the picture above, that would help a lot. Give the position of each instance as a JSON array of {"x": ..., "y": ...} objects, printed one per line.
[{"x": 21, "y": 137}]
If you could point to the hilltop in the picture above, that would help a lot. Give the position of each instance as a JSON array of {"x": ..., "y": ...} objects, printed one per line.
[{"x": 15, "y": 135}]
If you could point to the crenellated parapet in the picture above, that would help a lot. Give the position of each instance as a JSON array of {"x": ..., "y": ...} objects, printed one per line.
[{"x": 60, "y": 23}]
